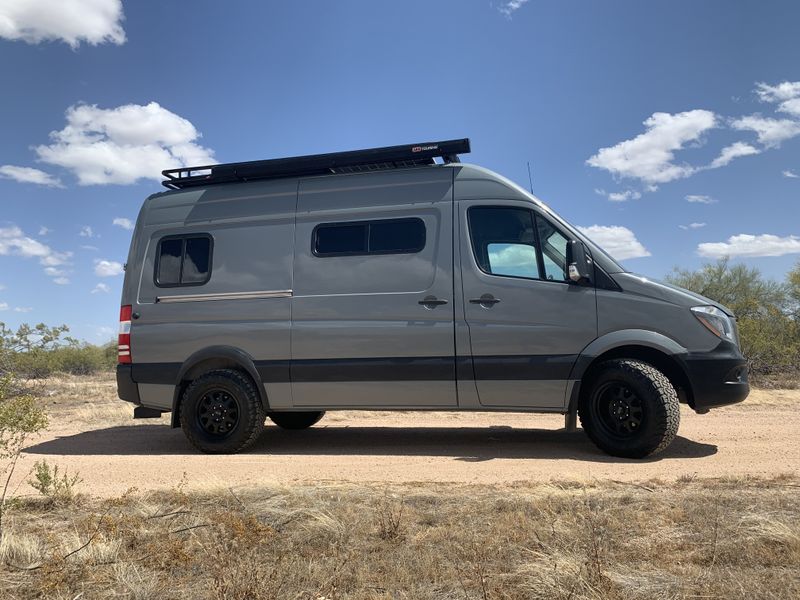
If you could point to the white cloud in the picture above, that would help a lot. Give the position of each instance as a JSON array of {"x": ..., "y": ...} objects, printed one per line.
[
  {"x": 72, "y": 21},
  {"x": 692, "y": 226},
  {"x": 61, "y": 280},
  {"x": 649, "y": 156},
  {"x": 787, "y": 94},
  {"x": 790, "y": 174},
  {"x": 619, "y": 196},
  {"x": 751, "y": 245},
  {"x": 620, "y": 242},
  {"x": 123, "y": 145},
  {"x": 86, "y": 232},
  {"x": 701, "y": 199},
  {"x": 3, "y": 305},
  {"x": 510, "y": 6},
  {"x": 123, "y": 222},
  {"x": 101, "y": 287},
  {"x": 23, "y": 309},
  {"x": 44, "y": 230},
  {"x": 29, "y": 175},
  {"x": 107, "y": 268},
  {"x": 771, "y": 132},
  {"x": 90, "y": 248},
  {"x": 735, "y": 150},
  {"x": 13, "y": 242}
]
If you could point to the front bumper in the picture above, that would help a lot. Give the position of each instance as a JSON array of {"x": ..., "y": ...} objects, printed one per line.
[
  {"x": 127, "y": 389},
  {"x": 717, "y": 378}
]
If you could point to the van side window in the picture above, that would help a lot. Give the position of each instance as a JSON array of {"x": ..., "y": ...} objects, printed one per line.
[
  {"x": 183, "y": 260},
  {"x": 503, "y": 241},
  {"x": 390, "y": 236},
  {"x": 554, "y": 251}
]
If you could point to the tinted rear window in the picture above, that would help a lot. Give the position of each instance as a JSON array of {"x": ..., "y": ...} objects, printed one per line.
[
  {"x": 184, "y": 260},
  {"x": 391, "y": 236}
]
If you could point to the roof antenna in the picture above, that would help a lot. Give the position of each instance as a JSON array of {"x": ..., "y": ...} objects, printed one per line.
[{"x": 530, "y": 179}]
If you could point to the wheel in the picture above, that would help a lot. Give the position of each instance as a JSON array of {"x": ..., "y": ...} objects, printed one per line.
[
  {"x": 295, "y": 420},
  {"x": 630, "y": 409},
  {"x": 221, "y": 412}
]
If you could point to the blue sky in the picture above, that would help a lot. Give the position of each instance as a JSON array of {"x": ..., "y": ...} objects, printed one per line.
[{"x": 670, "y": 130}]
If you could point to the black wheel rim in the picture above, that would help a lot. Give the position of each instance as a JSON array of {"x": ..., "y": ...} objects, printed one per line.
[
  {"x": 218, "y": 413},
  {"x": 618, "y": 410}
]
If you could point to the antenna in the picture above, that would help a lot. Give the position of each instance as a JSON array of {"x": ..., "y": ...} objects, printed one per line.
[{"x": 530, "y": 179}]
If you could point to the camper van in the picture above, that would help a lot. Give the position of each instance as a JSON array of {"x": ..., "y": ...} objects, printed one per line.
[{"x": 400, "y": 278}]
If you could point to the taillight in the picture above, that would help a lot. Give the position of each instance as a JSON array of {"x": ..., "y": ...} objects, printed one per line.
[{"x": 124, "y": 342}]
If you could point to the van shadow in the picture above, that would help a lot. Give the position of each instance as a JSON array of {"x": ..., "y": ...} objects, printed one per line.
[{"x": 472, "y": 444}]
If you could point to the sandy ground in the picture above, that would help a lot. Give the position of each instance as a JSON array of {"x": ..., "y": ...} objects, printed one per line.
[{"x": 112, "y": 453}]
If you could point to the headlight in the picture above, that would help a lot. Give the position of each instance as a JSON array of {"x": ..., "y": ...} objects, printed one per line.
[{"x": 716, "y": 321}]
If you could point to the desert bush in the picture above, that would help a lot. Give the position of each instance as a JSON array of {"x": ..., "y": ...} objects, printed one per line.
[
  {"x": 57, "y": 488},
  {"x": 767, "y": 312}
]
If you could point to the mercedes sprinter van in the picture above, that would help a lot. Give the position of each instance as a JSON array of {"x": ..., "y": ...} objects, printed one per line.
[{"x": 400, "y": 278}]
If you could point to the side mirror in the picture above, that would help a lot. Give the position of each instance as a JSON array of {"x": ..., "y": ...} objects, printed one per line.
[{"x": 579, "y": 263}]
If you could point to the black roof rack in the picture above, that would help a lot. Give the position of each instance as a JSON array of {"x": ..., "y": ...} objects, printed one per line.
[{"x": 372, "y": 159}]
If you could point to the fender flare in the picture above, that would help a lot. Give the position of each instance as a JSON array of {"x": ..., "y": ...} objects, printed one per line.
[
  {"x": 623, "y": 337},
  {"x": 227, "y": 353}
]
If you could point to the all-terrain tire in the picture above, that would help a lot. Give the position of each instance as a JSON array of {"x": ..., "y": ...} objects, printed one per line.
[
  {"x": 295, "y": 420},
  {"x": 629, "y": 409},
  {"x": 221, "y": 412}
]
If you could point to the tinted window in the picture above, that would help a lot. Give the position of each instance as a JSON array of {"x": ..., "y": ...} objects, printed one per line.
[
  {"x": 169, "y": 262},
  {"x": 394, "y": 236},
  {"x": 554, "y": 251},
  {"x": 183, "y": 261},
  {"x": 503, "y": 241}
]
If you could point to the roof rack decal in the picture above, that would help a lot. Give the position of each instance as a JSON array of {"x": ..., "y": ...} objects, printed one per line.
[{"x": 371, "y": 159}]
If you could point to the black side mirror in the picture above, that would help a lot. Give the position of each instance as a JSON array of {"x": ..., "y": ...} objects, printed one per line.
[{"x": 579, "y": 263}]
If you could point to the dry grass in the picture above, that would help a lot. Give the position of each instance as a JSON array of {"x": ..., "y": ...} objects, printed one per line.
[{"x": 732, "y": 538}]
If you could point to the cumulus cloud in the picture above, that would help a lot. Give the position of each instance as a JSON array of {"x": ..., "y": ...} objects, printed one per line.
[
  {"x": 71, "y": 21},
  {"x": 786, "y": 94},
  {"x": 692, "y": 226},
  {"x": 510, "y": 6},
  {"x": 123, "y": 145},
  {"x": 4, "y": 306},
  {"x": 620, "y": 242},
  {"x": 86, "y": 232},
  {"x": 123, "y": 222},
  {"x": 649, "y": 156},
  {"x": 619, "y": 196},
  {"x": 107, "y": 268},
  {"x": 748, "y": 245},
  {"x": 735, "y": 150},
  {"x": 790, "y": 174},
  {"x": 771, "y": 133},
  {"x": 700, "y": 199},
  {"x": 13, "y": 242},
  {"x": 44, "y": 230},
  {"x": 101, "y": 288},
  {"x": 29, "y": 175},
  {"x": 23, "y": 309}
]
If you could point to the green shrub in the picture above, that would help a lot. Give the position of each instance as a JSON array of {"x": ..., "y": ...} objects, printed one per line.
[{"x": 56, "y": 488}]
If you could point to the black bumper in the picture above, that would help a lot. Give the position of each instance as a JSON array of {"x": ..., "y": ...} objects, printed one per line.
[
  {"x": 126, "y": 387},
  {"x": 717, "y": 378}
]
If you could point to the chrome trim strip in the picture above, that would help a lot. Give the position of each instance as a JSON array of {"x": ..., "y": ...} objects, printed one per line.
[{"x": 225, "y": 296}]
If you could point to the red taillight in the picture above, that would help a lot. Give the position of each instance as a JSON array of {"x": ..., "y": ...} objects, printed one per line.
[{"x": 124, "y": 342}]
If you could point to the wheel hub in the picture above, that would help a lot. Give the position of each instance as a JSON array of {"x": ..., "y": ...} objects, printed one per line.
[
  {"x": 218, "y": 412},
  {"x": 619, "y": 408}
]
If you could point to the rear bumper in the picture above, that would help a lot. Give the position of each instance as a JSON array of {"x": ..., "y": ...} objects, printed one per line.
[
  {"x": 717, "y": 378},
  {"x": 127, "y": 389}
]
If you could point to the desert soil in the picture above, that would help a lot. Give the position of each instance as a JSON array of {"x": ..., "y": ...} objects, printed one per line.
[{"x": 93, "y": 434}]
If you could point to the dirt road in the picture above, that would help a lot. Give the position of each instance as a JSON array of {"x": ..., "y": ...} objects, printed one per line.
[{"x": 113, "y": 453}]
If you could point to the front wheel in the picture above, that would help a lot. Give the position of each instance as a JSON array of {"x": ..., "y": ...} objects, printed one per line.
[
  {"x": 630, "y": 409},
  {"x": 295, "y": 420}
]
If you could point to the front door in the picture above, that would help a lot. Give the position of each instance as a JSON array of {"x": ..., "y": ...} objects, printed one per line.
[
  {"x": 372, "y": 312},
  {"x": 527, "y": 321}
]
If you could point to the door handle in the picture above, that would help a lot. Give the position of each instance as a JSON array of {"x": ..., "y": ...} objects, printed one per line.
[
  {"x": 431, "y": 302},
  {"x": 487, "y": 300}
]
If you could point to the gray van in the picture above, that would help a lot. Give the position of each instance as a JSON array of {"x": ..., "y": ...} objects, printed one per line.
[{"x": 400, "y": 279}]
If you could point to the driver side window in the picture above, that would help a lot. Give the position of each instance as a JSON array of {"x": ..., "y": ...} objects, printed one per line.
[{"x": 554, "y": 251}]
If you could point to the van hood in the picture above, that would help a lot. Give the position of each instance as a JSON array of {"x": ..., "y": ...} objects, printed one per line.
[{"x": 659, "y": 290}]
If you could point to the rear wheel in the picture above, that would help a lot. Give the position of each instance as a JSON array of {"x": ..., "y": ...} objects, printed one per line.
[
  {"x": 630, "y": 409},
  {"x": 295, "y": 420},
  {"x": 221, "y": 412}
]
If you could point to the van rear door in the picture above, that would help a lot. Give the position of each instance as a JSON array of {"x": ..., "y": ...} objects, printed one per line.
[
  {"x": 372, "y": 312},
  {"x": 527, "y": 321}
]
